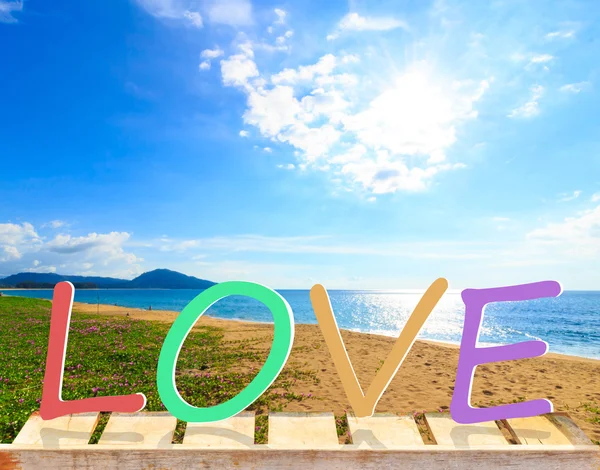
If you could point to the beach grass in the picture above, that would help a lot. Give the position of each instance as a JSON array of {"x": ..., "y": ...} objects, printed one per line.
[{"x": 118, "y": 356}]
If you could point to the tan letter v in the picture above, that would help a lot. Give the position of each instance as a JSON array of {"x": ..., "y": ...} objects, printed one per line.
[{"x": 361, "y": 404}]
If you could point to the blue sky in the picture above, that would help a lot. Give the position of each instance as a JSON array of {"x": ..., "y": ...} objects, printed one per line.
[{"x": 356, "y": 144}]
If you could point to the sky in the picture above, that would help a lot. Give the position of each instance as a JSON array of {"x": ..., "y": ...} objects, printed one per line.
[{"x": 360, "y": 144}]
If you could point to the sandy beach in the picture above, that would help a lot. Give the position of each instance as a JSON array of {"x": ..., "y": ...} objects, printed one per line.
[{"x": 426, "y": 379}]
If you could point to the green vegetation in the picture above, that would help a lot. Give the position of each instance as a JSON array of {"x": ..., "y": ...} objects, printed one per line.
[
  {"x": 114, "y": 356},
  {"x": 342, "y": 428},
  {"x": 157, "y": 279},
  {"x": 592, "y": 413},
  {"x": 261, "y": 429},
  {"x": 49, "y": 285}
]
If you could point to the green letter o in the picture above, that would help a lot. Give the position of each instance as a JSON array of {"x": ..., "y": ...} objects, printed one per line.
[{"x": 280, "y": 350}]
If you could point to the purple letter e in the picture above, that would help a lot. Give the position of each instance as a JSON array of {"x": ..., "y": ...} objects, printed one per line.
[{"x": 471, "y": 356}]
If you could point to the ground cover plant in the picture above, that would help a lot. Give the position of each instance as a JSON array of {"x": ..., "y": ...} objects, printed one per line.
[{"x": 118, "y": 356}]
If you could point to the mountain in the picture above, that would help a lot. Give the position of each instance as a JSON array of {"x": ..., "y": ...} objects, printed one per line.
[
  {"x": 157, "y": 279},
  {"x": 167, "y": 279},
  {"x": 52, "y": 278}
]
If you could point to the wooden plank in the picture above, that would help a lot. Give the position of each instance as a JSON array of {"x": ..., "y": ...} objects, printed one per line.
[
  {"x": 64, "y": 430},
  {"x": 446, "y": 431},
  {"x": 537, "y": 430},
  {"x": 302, "y": 430},
  {"x": 345, "y": 458},
  {"x": 575, "y": 435},
  {"x": 156, "y": 429},
  {"x": 233, "y": 433},
  {"x": 384, "y": 431}
]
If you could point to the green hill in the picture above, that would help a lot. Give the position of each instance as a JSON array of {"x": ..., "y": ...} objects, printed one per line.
[
  {"x": 157, "y": 279},
  {"x": 167, "y": 279}
]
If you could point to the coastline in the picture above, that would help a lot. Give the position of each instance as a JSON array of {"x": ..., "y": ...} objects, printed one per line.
[
  {"x": 425, "y": 381},
  {"x": 170, "y": 315}
]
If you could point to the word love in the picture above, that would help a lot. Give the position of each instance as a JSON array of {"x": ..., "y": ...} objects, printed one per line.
[{"x": 470, "y": 357}]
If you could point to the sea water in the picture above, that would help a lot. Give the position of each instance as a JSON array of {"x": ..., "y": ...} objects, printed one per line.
[{"x": 570, "y": 323}]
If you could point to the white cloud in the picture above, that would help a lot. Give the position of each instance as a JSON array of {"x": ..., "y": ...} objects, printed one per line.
[
  {"x": 67, "y": 244},
  {"x": 7, "y": 8},
  {"x": 315, "y": 142},
  {"x": 541, "y": 59},
  {"x": 398, "y": 141},
  {"x": 179, "y": 246},
  {"x": 272, "y": 110},
  {"x": 161, "y": 8},
  {"x": 380, "y": 177},
  {"x": 22, "y": 249},
  {"x": 231, "y": 12},
  {"x": 564, "y": 34},
  {"x": 595, "y": 197},
  {"x": 9, "y": 253},
  {"x": 351, "y": 155},
  {"x": 570, "y": 197},
  {"x": 171, "y": 9},
  {"x": 323, "y": 67},
  {"x": 54, "y": 224},
  {"x": 41, "y": 269},
  {"x": 574, "y": 87},
  {"x": 15, "y": 238},
  {"x": 350, "y": 59},
  {"x": 238, "y": 68},
  {"x": 415, "y": 117},
  {"x": 531, "y": 108},
  {"x": 244, "y": 133},
  {"x": 281, "y": 42},
  {"x": 355, "y": 22},
  {"x": 204, "y": 65},
  {"x": 211, "y": 53},
  {"x": 288, "y": 166},
  {"x": 330, "y": 104},
  {"x": 278, "y": 46},
  {"x": 268, "y": 150},
  {"x": 319, "y": 244},
  {"x": 104, "y": 252},
  {"x": 575, "y": 236},
  {"x": 281, "y": 15},
  {"x": 194, "y": 18},
  {"x": 375, "y": 132}
]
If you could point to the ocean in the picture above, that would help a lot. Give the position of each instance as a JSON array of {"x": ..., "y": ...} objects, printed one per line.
[{"x": 570, "y": 323}]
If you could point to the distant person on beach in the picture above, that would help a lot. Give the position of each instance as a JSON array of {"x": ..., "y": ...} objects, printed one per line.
[{"x": 150, "y": 308}]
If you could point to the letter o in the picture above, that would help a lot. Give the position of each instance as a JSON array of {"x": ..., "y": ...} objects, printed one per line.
[{"x": 283, "y": 318}]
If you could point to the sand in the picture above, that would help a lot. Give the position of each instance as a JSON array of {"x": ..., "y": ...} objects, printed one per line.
[{"x": 426, "y": 379}]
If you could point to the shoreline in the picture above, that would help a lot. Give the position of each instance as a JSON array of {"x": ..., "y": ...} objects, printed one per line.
[{"x": 170, "y": 315}]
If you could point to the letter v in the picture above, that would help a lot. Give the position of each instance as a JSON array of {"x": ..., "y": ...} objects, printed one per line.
[
  {"x": 365, "y": 405},
  {"x": 52, "y": 405}
]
